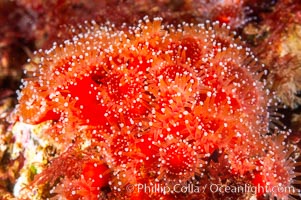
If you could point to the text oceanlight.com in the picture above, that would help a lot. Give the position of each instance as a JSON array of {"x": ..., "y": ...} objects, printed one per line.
[{"x": 213, "y": 188}]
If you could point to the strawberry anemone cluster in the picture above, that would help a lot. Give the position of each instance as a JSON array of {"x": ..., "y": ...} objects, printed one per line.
[{"x": 153, "y": 105}]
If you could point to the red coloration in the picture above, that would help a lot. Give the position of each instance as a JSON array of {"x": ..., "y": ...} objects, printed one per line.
[
  {"x": 87, "y": 98},
  {"x": 179, "y": 160},
  {"x": 155, "y": 105},
  {"x": 259, "y": 183},
  {"x": 97, "y": 173}
]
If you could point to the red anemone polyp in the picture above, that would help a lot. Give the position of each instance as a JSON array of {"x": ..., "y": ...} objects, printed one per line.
[
  {"x": 178, "y": 161},
  {"x": 97, "y": 173},
  {"x": 154, "y": 102}
]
